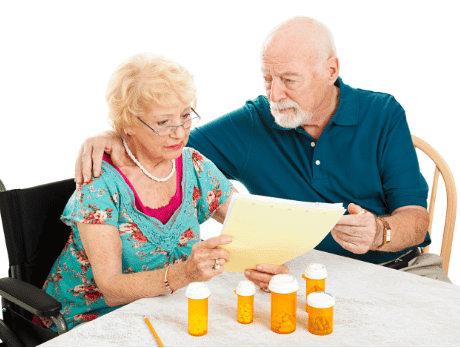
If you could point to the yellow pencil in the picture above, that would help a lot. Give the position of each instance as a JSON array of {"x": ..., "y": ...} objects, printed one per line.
[{"x": 153, "y": 331}]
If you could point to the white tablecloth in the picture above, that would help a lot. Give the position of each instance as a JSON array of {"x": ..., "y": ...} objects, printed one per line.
[{"x": 375, "y": 306}]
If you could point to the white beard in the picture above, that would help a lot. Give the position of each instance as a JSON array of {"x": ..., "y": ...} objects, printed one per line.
[{"x": 292, "y": 119}]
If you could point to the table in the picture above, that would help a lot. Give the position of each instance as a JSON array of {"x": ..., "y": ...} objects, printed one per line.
[{"x": 375, "y": 306}]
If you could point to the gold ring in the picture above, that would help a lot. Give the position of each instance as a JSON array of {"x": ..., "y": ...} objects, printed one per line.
[{"x": 216, "y": 264}]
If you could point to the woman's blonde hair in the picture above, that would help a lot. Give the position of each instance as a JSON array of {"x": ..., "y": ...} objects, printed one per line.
[{"x": 146, "y": 80}]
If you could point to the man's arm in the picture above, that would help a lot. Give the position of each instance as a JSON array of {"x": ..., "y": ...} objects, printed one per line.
[
  {"x": 226, "y": 140},
  {"x": 360, "y": 233},
  {"x": 404, "y": 190},
  {"x": 219, "y": 140}
]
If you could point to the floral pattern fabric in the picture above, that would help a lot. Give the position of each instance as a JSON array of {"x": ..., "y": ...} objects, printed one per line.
[{"x": 147, "y": 244}]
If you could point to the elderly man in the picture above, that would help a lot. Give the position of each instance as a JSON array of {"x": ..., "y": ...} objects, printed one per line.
[{"x": 314, "y": 138}]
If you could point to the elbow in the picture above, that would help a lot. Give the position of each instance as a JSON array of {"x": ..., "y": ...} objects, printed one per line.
[
  {"x": 111, "y": 299},
  {"x": 421, "y": 225},
  {"x": 111, "y": 302},
  {"x": 109, "y": 295}
]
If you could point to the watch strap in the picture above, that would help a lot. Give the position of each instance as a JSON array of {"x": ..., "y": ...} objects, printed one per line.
[{"x": 386, "y": 233}]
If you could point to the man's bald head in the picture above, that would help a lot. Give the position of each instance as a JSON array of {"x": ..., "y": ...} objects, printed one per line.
[{"x": 301, "y": 36}]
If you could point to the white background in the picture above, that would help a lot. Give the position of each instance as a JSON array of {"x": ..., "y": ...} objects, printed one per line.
[{"x": 57, "y": 57}]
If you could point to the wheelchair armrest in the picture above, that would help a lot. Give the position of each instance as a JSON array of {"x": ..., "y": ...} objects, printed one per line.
[{"x": 29, "y": 297}]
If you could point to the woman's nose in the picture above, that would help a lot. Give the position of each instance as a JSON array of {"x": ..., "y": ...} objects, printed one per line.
[{"x": 179, "y": 132}]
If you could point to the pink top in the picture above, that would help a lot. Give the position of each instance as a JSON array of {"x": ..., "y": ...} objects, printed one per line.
[{"x": 163, "y": 213}]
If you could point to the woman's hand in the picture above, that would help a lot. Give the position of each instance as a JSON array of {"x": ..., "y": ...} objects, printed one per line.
[
  {"x": 91, "y": 152},
  {"x": 200, "y": 264}
]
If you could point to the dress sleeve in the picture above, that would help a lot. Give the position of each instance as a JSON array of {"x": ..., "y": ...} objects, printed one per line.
[
  {"x": 212, "y": 189},
  {"x": 93, "y": 203}
]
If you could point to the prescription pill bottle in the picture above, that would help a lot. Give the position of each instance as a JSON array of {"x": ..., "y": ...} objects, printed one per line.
[
  {"x": 283, "y": 289},
  {"x": 197, "y": 294},
  {"x": 245, "y": 291},
  {"x": 320, "y": 313},
  {"x": 315, "y": 278}
]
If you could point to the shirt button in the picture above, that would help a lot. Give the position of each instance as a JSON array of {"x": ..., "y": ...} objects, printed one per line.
[
  {"x": 318, "y": 162},
  {"x": 312, "y": 144}
]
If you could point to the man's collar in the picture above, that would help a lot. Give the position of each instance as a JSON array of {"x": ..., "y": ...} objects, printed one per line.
[{"x": 347, "y": 112}]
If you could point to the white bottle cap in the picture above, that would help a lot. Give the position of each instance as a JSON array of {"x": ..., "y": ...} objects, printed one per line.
[
  {"x": 315, "y": 271},
  {"x": 283, "y": 284},
  {"x": 197, "y": 291},
  {"x": 320, "y": 300},
  {"x": 245, "y": 288}
]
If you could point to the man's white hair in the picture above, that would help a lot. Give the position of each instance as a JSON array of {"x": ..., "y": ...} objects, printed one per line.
[{"x": 321, "y": 36}]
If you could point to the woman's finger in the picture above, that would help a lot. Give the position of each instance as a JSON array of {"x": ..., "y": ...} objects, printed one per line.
[
  {"x": 214, "y": 242},
  {"x": 204, "y": 253}
]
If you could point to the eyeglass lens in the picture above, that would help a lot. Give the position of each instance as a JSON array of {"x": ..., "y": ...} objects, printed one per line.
[{"x": 171, "y": 129}]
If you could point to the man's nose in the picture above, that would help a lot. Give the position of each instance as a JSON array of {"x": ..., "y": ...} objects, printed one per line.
[{"x": 277, "y": 91}]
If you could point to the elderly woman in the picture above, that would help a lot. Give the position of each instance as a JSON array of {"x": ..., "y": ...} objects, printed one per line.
[{"x": 136, "y": 229}]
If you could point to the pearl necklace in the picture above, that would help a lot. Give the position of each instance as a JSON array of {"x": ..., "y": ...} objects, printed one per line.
[{"x": 145, "y": 171}]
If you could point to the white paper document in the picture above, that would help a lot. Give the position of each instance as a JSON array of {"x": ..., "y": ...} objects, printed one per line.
[{"x": 267, "y": 230}]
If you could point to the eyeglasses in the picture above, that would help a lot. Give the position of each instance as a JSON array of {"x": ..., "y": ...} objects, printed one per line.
[{"x": 168, "y": 130}]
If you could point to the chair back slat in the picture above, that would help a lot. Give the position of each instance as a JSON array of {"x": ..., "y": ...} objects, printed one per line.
[
  {"x": 434, "y": 191},
  {"x": 451, "y": 195},
  {"x": 449, "y": 227}
]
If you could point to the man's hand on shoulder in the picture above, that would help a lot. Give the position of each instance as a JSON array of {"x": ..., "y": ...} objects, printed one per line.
[{"x": 91, "y": 151}]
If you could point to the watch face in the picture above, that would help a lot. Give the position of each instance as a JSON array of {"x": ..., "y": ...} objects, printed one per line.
[{"x": 388, "y": 236}]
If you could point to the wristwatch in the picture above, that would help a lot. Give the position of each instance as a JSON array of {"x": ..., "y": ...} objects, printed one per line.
[{"x": 386, "y": 233}]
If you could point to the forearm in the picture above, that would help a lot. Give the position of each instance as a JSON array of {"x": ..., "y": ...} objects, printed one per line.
[
  {"x": 122, "y": 289},
  {"x": 408, "y": 228},
  {"x": 221, "y": 213}
]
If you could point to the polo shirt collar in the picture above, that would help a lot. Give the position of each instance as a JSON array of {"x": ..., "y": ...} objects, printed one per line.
[{"x": 347, "y": 112}]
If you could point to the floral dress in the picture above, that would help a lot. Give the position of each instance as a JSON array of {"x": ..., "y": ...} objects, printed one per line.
[{"x": 147, "y": 244}]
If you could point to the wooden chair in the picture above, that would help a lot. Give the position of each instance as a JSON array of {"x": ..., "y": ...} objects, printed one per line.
[{"x": 451, "y": 194}]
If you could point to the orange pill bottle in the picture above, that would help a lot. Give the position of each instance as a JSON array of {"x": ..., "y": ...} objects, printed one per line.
[
  {"x": 283, "y": 289},
  {"x": 320, "y": 313},
  {"x": 197, "y": 294},
  {"x": 245, "y": 291},
  {"x": 315, "y": 278}
]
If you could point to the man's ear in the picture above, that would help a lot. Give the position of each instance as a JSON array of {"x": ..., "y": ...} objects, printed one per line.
[{"x": 333, "y": 66}]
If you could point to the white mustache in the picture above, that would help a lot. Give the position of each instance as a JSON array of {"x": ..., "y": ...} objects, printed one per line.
[{"x": 284, "y": 105}]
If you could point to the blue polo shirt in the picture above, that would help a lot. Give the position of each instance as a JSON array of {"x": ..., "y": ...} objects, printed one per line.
[{"x": 365, "y": 156}]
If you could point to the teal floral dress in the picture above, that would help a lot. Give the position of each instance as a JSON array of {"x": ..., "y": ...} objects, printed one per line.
[{"x": 147, "y": 243}]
